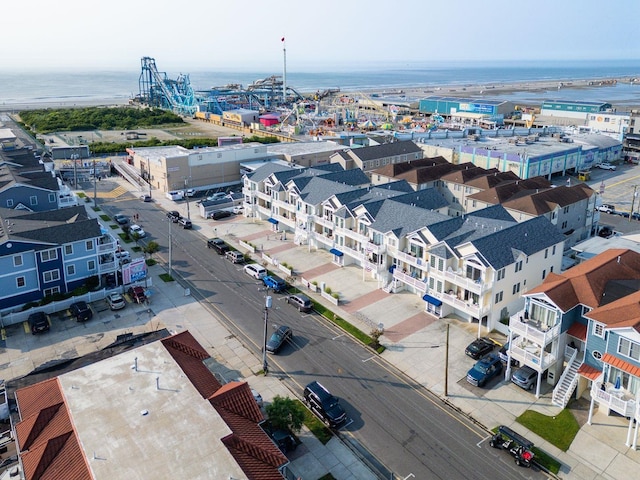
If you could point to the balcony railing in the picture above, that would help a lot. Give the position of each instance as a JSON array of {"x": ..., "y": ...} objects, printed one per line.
[
  {"x": 464, "y": 305},
  {"x": 290, "y": 207},
  {"x": 353, "y": 235},
  {"x": 350, "y": 252},
  {"x": 619, "y": 400},
  {"x": 289, "y": 222},
  {"x": 264, "y": 196},
  {"x": 324, "y": 222},
  {"x": 417, "y": 283},
  {"x": 107, "y": 267},
  {"x": 107, "y": 247},
  {"x": 475, "y": 286},
  {"x": 371, "y": 247},
  {"x": 533, "y": 356},
  {"x": 533, "y": 330}
]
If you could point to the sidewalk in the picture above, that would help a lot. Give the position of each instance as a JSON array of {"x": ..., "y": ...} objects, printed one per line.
[{"x": 415, "y": 344}]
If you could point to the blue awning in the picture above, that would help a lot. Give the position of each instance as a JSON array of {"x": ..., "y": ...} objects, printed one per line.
[
  {"x": 336, "y": 252},
  {"x": 432, "y": 300},
  {"x": 273, "y": 220}
]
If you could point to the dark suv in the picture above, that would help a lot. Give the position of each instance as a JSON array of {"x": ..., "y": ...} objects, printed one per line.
[
  {"x": 484, "y": 370},
  {"x": 38, "y": 322},
  {"x": 218, "y": 245},
  {"x": 324, "y": 405},
  {"x": 174, "y": 216},
  {"x": 81, "y": 311}
]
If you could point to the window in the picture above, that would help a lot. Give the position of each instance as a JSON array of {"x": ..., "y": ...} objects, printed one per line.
[
  {"x": 20, "y": 282},
  {"x": 48, "y": 255},
  {"x": 52, "y": 198},
  {"x": 71, "y": 270},
  {"x": 516, "y": 288},
  {"x": 501, "y": 273},
  {"x": 518, "y": 266},
  {"x": 598, "y": 329},
  {"x": 91, "y": 265},
  {"x": 544, "y": 274},
  {"x": 597, "y": 355},
  {"x": 553, "y": 250},
  {"x": 564, "y": 225},
  {"x": 432, "y": 261},
  {"x": 17, "y": 261},
  {"x": 565, "y": 210},
  {"x": 546, "y": 254},
  {"x": 441, "y": 264},
  {"x": 629, "y": 349},
  {"x": 68, "y": 249},
  {"x": 33, "y": 200},
  {"x": 9, "y": 203},
  {"x": 51, "y": 276},
  {"x": 51, "y": 291},
  {"x": 498, "y": 297},
  {"x": 89, "y": 245}
]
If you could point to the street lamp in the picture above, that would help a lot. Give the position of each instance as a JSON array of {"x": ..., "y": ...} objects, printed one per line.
[
  {"x": 186, "y": 194},
  {"x": 170, "y": 241},
  {"x": 267, "y": 306}
]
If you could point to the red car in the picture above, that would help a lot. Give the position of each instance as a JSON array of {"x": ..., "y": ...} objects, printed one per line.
[{"x": 137, "y": 293}]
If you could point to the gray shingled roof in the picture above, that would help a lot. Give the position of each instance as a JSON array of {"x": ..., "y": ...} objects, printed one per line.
[
  {"x": 262, "y": 172},
  {"x": 387, "y": 150},
  {"x": 402, "y": 219}
]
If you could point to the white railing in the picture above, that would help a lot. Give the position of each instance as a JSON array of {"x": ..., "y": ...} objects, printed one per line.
[
  {"x": 533, "y": 331},
  {"x": 557, "y": 391},
  {"x": 352, "y": 235},
  {"x": 463, "y": 305},
  {"x": 533, "y": 356},
  {"x": 289, "y": 222},
  {"x": 420, "y": 285},
  {"x": 263, "y": 196},
  {"x": 324, "y": 222},
  {"x": 410, "y": 259},
  {"x": 107, "y": 267},
  {"x": 289, "y": 207},
  {"x": 350, "y": 252},
  {"x": 475, "y": 286},
  {"x": 615, "y": 401},
  {"x": 372, "y": 247},
  {"x": 264, "y": 211},
  {"x": 107, "y": 247}
]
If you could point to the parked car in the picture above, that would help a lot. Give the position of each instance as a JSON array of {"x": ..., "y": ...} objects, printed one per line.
[
  {"x": 121, "y": 219},
  {"x": 277, "y": 339},
  {"x": 274, "y": 282},
  {"x": 480, "y": 347},
  {"x": 174, "y": 216},
  {"x": 190, "y": 192},
  {"x": 324, "y": 405},
  {"x": 145, "y": 198},
  {"x": 257, "y": 397},
  {"x": 238, "y": 209},
  {"x": 623, "y": 213},
  {"x": 484, "y": 370},
  {"x": 255, "y": 270},
  {"x": 234, "y": 256},
  {"x": 137, "y": 229},
  {"x": 518, "y": 446},
  {"x": 185, "y": 223},
  {"x": 218, "y": 245},
  {"x": 525, "y": 377},
  {"x": 122, "y": 255},
  {"x": 605, "y": 231},
  {"x": 606, "y": 166},
  {"x": 137, "y": 294},
  {"x": 607, "y": 208},
  {"x": 116, "y": 301},
  {"x": 217, "y": 196},
  {"x": 300, "y": 301},
  {"x": 220, "y": 214},
  {"x": 505, "y": 357},
  {"x": 38, "y": 322},
  {"x": 81, "y": 311}
]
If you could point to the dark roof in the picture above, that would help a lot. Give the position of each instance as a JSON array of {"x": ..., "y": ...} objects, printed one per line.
[
  {"x": 394, "y": 169},
  {"x": 386, "y": 150},
  {"x": 505, "y": 191},
  {"x": 547, "y": 200}
]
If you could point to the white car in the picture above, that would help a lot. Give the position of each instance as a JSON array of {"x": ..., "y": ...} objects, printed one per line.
[
  {"x": 137, "y": 229},
  {"x": 255, "y": 270},
  {"x": 116, "y": 301},
  {"x": 606, "y": 166},
  {"x": 190, "y": 192}
]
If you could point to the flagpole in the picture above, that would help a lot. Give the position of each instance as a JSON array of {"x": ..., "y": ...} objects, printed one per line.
[{"x": 284, "y": 76}]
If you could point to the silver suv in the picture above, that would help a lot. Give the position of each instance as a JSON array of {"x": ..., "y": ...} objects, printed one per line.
[
  {"x": 525, "y": 377},
  {"x": 300, "y": 301},
  {"x": 234, "y": 256}
]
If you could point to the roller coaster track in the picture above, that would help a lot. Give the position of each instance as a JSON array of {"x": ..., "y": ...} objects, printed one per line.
[{"x": 157, "y": 90}]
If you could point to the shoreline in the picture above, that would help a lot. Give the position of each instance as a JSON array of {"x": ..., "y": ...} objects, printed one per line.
[{"x": 413, "y": 93}]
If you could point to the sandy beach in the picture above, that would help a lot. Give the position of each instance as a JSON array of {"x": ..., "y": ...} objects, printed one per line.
[{"x": 412, "y": 92}]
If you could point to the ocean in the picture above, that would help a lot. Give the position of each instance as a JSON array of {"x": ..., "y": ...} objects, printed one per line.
[{"x": 118, "y": 86}]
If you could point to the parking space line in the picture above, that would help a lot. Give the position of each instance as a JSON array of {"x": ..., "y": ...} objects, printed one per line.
[
  {"x": 370, "y": 358},
  {"x": 479, "y": 444},
  {"x": 26, "y": 327},
  {"x": 338, "y": 336},
  {"x": 4, "y": 334}
]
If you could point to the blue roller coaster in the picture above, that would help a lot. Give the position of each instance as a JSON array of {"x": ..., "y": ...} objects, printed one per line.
[{"x": 157, "y": 90}]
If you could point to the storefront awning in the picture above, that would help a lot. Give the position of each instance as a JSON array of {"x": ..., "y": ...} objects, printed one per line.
[
  {"x": 432, "y": 300},
  {"x": 273, "y": 220},
  {"x": 336, "y": 252}
]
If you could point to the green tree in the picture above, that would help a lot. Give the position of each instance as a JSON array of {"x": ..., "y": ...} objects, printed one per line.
[
  {"x": 151, "y": 248},
  {"x": 286, "y": 413},
  {"x": 136, "y": 236}
]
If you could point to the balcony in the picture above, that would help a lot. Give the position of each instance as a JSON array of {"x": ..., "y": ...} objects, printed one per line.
[
  {"x": 475, "y": 286},
  {"x": 409, "y": 259},
  {"x": 263, "y": 212},
  {"x": 371, "y": 247},
  {"x": 353, "y": 235},
  {"x": 289, "y": 222},
  {"x": 465, "y": 305},
  {"x": 417, "y": 283},
  {"x": 350, "y": 252},
  {"x": 107, "y": 246},
  {"x": 107, "y": 267},
  {"x": 619, "y": 400},
  {"x": 533, "y": 330},
  {"x": 285, "y": 205},
  {"x": 264, "y": 196},
  {"x": 532, "y": 355},
  {"x": 324, "y": 222}
]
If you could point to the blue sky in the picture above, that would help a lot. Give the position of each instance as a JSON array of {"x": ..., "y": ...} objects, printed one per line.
[{"x": 213, "y": 35}]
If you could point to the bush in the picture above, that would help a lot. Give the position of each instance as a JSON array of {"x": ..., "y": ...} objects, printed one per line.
[
  {"x": 327, "y": 290},
  {"x": 150, "y": 262},
  {"x": 286, "y": 413},
  {"x": 165, "y": 277}
]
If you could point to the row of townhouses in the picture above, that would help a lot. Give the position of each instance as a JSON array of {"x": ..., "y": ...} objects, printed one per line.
[
  {"x": 475, "y": 265},
  {"x": 582, "y": 329},
  {"x": 48, "y": 243}
]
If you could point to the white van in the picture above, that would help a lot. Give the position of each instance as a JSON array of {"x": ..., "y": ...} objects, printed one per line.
[
  {"x": 255, "y": 270},
  {"x": 175, "y": 195}
]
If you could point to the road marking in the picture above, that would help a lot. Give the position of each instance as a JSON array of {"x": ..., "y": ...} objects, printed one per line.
[
  {"x": 4, "y": 334},
  {"x": 26, "y": 327},
  {"x": 479, "y": 444},
  {"x": 367, "y": 359},
  {"x": 338, "y": 336},
  {"x": 622, "y": 181}
]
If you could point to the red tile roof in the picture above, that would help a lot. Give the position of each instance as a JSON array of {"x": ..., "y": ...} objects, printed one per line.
[
  {"x": 45, "y": 436},
  {"x": 578, "y": 330},
  {"x": 189, "y": 354},
  {"x": 585, "y": 283},
  {"x": 621, "y": 364},
  {"x": 622, "y": 313},
  {"x": 236, "y": 397},
  {"x": 589, "y": 372}
]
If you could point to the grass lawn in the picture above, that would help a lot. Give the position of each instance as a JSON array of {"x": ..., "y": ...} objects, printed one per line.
[
  {"x": 125, "y": 238},
  {"x": 166, "y": 277},
  {"x": 106, "y": 218},
  {"x": 559, "y": 430},
  {"x": 313, "y": 423}
]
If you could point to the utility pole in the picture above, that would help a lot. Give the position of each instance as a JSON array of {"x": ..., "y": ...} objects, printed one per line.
[
  {"x": 446, "y": 364},
  {"x": 170, "y": 241},
  {"x": 95, "y": 180},
  {"x": 267, "y": 306},
  {"x": 186, "y": 188},
  {"x": 633, "y": 200}
]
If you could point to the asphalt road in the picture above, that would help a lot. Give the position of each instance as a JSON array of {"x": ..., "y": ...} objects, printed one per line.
[{"x": 392, "y": 420}]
